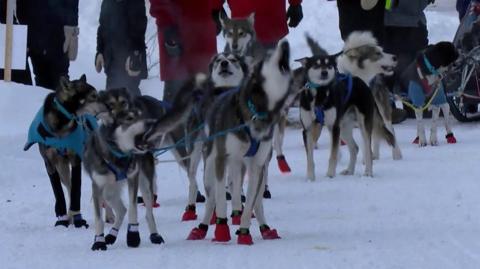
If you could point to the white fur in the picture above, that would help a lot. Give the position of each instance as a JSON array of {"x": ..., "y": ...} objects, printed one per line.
[
  {"x": 227, "y": 80},
  {"x": 347, "y": 64},
  {"x": 125, "y": 137},
  {"x": 276, "y": 82}
]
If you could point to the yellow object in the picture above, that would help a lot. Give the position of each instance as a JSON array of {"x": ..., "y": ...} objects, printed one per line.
[{"x": 388, "y": 4}]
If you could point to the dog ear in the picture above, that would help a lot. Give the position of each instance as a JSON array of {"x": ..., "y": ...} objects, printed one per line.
[
  {"x": 251, "y": 19},
  {"x": 83, "y": 78},
  {"x": 302, "y": 61},
  {"x": 224, "y": 19}
]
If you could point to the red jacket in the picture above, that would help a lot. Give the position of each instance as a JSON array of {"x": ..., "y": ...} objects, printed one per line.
[
  {"x": 193, "y": 19},
  {"x": 270, "y": 17}
]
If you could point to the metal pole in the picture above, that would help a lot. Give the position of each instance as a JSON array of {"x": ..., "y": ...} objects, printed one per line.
[{"x": 8, "y": 41}]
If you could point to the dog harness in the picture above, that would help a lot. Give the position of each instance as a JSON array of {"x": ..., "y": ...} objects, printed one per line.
[
  {"x": 419, "y": 90},
  {"x": 319, "y": 110},
  {"x": 122, "y": 158},
  {"x": 427, "y": 87},
  {"x": 40, "y": 132},
  {"x": 254, "y": 143}
]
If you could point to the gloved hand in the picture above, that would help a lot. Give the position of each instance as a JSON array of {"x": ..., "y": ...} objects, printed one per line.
[
  {"x": 70, "y": 45},
  {"x": 99, "y": 62},
  {"x": 172, "y": 42},
  {"x": 294, "y": 15},
  {"x": 216, "y": 18},
  {"x": 133, "y": 64}
]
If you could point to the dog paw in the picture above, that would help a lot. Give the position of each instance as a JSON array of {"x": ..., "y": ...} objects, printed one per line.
[
  {"x": 133, "y": 236},
  {"x": 155, "y": 238},
  {"x": 63, "y": 223},
  {"x": 99, "y": 246},
  {"x": 79, "y": 222},
  {"x": 347, "y": 172},
  {"x": 99, "y": 243},
  {"x": 110, "y": 239},
  {"x": 331, "y": 174}
]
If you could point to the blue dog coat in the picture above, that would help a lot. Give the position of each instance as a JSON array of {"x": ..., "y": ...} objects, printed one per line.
[
  {"x": 74, "y": 141},
  {"x": 417, "y": 95}
]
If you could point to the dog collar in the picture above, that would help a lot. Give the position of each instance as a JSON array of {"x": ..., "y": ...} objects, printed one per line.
[
  {"x": 117, "y": 153},
  {"x": 62, "y": 109},
  {"x": 253, "y": 110},
  {"x": 312, "y": 85}
]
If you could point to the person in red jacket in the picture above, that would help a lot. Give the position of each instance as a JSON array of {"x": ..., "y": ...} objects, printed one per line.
[
  {"x": 271, "y": 17},
  {"x": 186, "y": 38}
]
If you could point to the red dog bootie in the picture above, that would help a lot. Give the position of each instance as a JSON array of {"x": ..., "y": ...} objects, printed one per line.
[
  {"x": 416, "y": 140},
  {"x": 451, "y": 138},
  {"x": 282, "y": 164},
  {"x": 198, "y": 233},
  {"x": 244, "y": 237},
  {"x": 189, "y": 213},
  {"x": 267, "y": 233},
  {"x": 236, "y": 217},
  {"x": 222, "y": 232}
]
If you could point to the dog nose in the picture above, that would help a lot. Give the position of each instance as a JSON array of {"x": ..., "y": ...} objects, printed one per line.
[
  {"x": 224, "y": 64},
  {"x": 324, "y": 73},
  {"x": 235, "y": 46},
  {"x": 394, "y": 58}
]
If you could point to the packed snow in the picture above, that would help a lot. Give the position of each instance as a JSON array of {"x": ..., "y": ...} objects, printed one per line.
[{"x": 419, "y": 212}]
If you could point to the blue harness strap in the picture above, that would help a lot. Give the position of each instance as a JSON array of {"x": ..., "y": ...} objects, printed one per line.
[
  {"x": 349, "y": 79},
  {"x": 40, "y": 132},
  {"x": 319, "y": 115},
  {"x": 119, "y": 174},
  {"x": 254, "y": 144}
]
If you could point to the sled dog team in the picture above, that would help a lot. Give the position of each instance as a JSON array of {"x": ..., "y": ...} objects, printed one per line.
[{"x": 232, "y": 118}]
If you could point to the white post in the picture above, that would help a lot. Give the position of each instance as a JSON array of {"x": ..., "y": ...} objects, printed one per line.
[{"x": 8, "y": 41}]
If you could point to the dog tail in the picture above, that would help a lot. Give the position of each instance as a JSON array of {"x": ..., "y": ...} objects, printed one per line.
[
  {"x": 316, "y": 49},
  {"x": 180, "y": 110},
  {"x": 382, "y": 129}
]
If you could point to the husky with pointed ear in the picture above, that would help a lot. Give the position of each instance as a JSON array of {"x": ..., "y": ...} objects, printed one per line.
[
  {"x": 117, "y": 154},
  {"x": 364, "y": 58},
  {"x": 61, "y": 128},
  {"x": 241, "y": 39},
  {"x": 246, "y": 120}
]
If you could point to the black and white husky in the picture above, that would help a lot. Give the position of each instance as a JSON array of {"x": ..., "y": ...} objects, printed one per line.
[
  {"x": 226, "y": 72},
  {"x": 364, "y": 58},
  {"x": 116, "y": 155},
  {"x": 242, "y": 124},
  {"x": 423, "y": 79},
  {"x": 61, "y": 129},
  {"x": 340, "y": 102},
  {"x": 240, "y": 38}
]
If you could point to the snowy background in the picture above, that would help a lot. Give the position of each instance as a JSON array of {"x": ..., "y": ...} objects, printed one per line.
[{"x": 420, "y": 212}]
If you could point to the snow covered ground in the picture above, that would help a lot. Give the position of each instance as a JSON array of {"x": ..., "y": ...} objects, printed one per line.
[{"x": 420, "y": 212}]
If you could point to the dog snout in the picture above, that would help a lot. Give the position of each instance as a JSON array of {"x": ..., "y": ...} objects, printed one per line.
[
  {"x": 224, "y": 64},
  {"x": 324, "y": 73},
  {"x": 234, "y": 46}
]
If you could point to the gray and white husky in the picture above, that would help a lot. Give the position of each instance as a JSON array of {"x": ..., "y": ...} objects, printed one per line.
[
  {"x": 364, "y": 58},
  {"x": 116, "y": 155},
  {"x": 241, "y": 39},
  {"x": 242, "y": 124},
  {"x": 61, "y": 129}
]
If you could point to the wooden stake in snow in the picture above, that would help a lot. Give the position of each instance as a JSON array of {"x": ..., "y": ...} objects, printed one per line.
[{"x": 8, "y": 41}]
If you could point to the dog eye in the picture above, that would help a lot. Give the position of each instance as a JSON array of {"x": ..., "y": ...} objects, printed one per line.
[
  {"x": 229, "y": 34},
  {"x": 241, "y": 34},
  {"x": 233, "y": 60}
]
